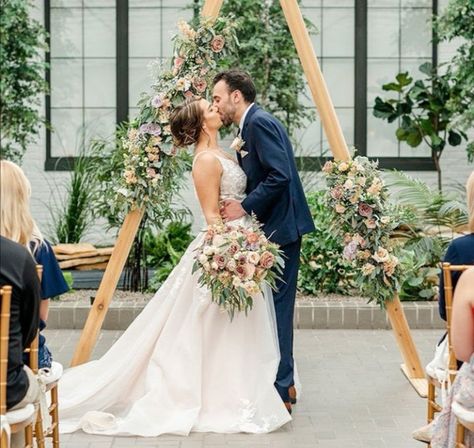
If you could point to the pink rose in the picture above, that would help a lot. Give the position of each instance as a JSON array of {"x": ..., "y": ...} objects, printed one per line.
[
  {"x": 336, "y": 193},
  {"x": 188, "y": 94},
  {"x": 151, "y": 172},
  {"x": 266, "y": 260},
  {"x": 252, "y": 238},
  {"x": 250, "y": 270},
  {"x": 365, "y": 210},
  {"x": 220, "y": 260},
  {"x": 233, "y": 248},
  {"x": 240, "y": 271},
  {"x": 200, "y": 84},
  {"x": 178, "y": 62},
  {"x": 217, "y": 44}
]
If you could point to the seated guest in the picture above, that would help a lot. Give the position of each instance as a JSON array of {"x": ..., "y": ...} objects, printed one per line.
[
  {"x": 18, "y": 269},
  {"x": 462, "y": 391},
  {"x": 461, "y": 250},
  {"x": 17, "y": 224}
]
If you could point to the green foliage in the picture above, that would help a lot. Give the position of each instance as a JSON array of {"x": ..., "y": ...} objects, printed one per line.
[
  {"x": 457, "y": 23},
  {"x": 69, "y": 280},
  {"x": 427, "y": 221},
  {"x": 72, "y": 211},
  {"x": 267, "y": 51},
  {"x": 323, "y": 268},
  {"x": 164, "y": 250},
  {"x": 422, "y": 108},
  {"x": 22, "y": 68}
]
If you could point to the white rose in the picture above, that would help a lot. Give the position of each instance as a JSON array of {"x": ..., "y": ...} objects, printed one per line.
[
  {"x": 253, "y": 257},
  {"x": 214, "y": 266},
  {"x": 236, "y": 281},
  {"x": 208, "y": 250},
  {"x": 202, "y": 259},
  {"x": 231, "y": 265}
]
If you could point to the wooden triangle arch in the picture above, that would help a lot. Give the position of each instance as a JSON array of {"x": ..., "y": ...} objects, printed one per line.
[{"x": 412, "y": 366}]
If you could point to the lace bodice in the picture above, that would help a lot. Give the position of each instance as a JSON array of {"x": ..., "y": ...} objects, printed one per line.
[{"x": 233, "y": 180}]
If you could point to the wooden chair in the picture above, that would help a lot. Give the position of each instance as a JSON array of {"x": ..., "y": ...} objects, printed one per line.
[
  {"x": 20, "y": 419},
  {"x": 51, "y": 387},
  {"x": 433, "y": 406}
]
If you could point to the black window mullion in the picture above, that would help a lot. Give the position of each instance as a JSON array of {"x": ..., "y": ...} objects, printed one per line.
[
  {"x": 122, "y": 67},
  {"x": 360, "y": 77}
]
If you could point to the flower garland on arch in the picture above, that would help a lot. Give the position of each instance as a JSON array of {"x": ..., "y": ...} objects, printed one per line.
[
  {"x": 358, "y": 196},
  {"x": 152, "y": 167}
]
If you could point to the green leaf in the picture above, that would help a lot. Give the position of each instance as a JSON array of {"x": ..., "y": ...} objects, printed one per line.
[
  {"x": 454, "y": 138},
  {"x": 426, "y": 68},
  {"x": 404, "y": 79}
]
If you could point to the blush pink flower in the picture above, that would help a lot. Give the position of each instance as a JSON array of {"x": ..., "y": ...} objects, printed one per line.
[
  {"x": 217, "y": 44},
  {"x": 365, "y": 210}
]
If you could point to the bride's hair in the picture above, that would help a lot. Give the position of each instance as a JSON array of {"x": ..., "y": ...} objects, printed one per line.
[{"x": 186, "y": 122}]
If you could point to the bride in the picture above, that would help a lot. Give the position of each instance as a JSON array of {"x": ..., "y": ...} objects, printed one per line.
[{"x": 182, "y": 365}]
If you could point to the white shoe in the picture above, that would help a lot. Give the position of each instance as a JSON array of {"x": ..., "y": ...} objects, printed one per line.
[{"x": 425, "y": 433}]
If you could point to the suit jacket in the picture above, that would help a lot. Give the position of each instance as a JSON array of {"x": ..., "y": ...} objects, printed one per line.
[
  {"x": 460, "y": 251},
  {"x": 274, "y": 191}
]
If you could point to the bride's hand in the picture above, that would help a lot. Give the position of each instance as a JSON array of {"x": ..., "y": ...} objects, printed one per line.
[{"x": 231, "y": 210}]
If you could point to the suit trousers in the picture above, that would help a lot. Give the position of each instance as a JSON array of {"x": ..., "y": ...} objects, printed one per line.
[{"x": 284, "y": 300}]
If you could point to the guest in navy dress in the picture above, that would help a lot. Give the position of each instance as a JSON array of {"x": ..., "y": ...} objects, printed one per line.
[
  {"x": 461, "y": 250},
  {"x": 17, "y": 224}
]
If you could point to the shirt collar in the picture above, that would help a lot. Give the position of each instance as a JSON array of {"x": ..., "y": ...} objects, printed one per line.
[{"x": 242, "y": 120}]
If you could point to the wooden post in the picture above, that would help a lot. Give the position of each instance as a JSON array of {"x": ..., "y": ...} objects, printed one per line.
[
  {"x": 412, "y": 365},
  {"x": 211, "y": 8},
  {"x": 107, "y": 287}
]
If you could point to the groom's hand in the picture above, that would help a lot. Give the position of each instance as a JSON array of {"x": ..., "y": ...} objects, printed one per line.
[{"x": 232, "y": 209}]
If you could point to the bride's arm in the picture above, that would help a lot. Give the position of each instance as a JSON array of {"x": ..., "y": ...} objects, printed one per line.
[{"x": 207, "y": 172}]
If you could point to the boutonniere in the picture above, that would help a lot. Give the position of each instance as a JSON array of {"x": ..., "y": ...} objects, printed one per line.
[{"x": 237, "y": 145}]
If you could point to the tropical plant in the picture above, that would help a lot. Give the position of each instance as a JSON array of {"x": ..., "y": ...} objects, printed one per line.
[
  {"x": 323, "y": 268},
  {"x": 422, "y": 108},
  {"x": 427, "y": 221},
  {"x": 267, "y": 51},
  {"x": 165, "y": 249},
  {"x": 22, "y": 68},
  {"x": 72, "y": 207}
]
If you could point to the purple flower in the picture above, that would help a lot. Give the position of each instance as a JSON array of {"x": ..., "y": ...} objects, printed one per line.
[
  {"x": 156, "y": 101},
  {"x": 150, "y": 128},
  {"x": 350, "y": 250}
]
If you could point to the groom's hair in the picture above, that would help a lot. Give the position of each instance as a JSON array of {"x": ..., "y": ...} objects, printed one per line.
[{"x": 238, "y": 80}]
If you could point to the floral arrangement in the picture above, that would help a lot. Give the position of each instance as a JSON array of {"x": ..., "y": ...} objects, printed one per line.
[
  {"x": 152, "y": 165},
  {"x": 235, "y": 262},
  {"x": 358, "y": 196}
]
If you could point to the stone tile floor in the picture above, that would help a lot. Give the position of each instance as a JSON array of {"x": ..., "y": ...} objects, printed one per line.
[{"x": 354, "y": 395}]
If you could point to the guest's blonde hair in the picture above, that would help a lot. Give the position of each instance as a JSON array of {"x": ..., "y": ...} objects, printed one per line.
[
  {"x": 470, "y": 201},
  {"x": 16, "y": 222}
]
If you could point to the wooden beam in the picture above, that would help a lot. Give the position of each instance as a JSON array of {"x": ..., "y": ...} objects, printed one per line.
[
  {"x": 211, "y": 8},
  {"x": 107, "y": 287},
  {"x": 337, "y": 143}
]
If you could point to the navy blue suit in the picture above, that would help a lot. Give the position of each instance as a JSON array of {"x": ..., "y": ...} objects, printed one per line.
[
  {"x": 275, "y": 195},
  {"x": 460, "y": 251}
]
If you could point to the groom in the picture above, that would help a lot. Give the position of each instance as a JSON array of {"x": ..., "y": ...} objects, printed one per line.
[{"x": 274, "y": 194}]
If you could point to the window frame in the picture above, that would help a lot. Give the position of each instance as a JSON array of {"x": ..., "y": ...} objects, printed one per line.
[{"x": 308, "y": 163}]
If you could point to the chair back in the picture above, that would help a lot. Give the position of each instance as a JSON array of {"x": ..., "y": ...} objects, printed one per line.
[
  {"x": 5, "y": 295},
  {"x": 448, "y": 269}
]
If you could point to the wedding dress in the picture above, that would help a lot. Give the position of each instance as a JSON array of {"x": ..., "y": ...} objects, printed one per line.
[{"x": 182, "y": 365}]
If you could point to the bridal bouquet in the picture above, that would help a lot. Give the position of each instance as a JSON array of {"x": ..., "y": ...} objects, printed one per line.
[{"x": 235, "y": 262}]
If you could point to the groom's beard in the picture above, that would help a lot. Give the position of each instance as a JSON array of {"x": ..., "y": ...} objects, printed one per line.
[{"x": 226, "y": 120}]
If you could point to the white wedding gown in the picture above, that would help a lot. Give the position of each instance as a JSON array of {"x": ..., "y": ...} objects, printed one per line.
[{"x": 182, "y": 365}]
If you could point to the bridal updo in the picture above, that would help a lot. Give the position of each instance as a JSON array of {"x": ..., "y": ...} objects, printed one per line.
[{"x": 186, "y": 122}]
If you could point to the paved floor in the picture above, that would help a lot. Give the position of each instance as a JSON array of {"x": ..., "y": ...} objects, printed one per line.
[{"x": 354, "y": 395}]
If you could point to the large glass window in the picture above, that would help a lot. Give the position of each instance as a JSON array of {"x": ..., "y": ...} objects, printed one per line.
[
  {"x": 98, "y": 69},
  {"x": 152, "y": 23},
  {"x": 334, "y": 47},
  {"x": 82, "y": 73},
  {"x": 399, "y": 39}
]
